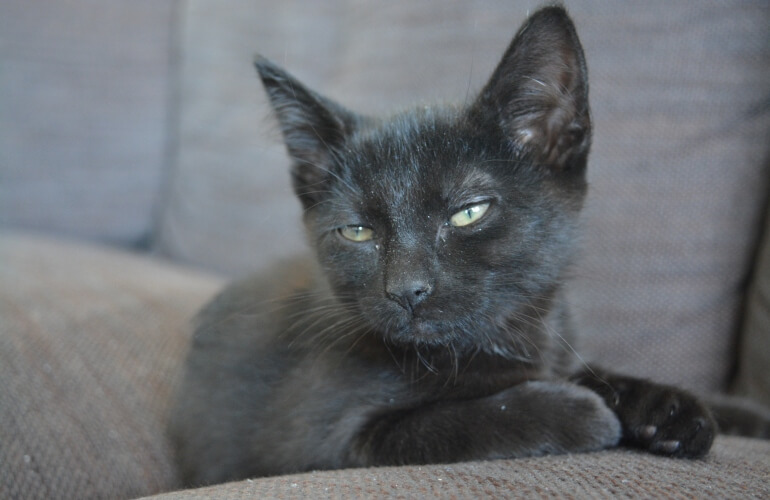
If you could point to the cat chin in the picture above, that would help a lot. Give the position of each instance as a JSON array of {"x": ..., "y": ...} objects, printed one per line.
[
  {"x": 421, "y": 333},
  {"x": 429, "y": 334}
]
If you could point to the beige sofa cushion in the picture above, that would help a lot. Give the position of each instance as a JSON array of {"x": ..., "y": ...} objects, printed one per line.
[
  {"x": 91, "y": 342},
  {"x": 677, "y": 170},
  {"x": 736, "y": 468}
]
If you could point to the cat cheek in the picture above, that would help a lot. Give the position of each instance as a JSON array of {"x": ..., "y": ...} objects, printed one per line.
[{"x": 356, "y": 265}]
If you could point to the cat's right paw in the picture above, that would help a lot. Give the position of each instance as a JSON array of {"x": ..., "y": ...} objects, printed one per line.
[{"x": 662, "y": 419}]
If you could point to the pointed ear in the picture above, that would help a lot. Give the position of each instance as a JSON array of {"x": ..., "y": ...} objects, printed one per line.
[
  {"x": 538, "y": 95},
  {"x": 313, "y": 128}
]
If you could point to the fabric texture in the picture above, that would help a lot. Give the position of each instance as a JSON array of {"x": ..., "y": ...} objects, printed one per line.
[
  {"x": 753, "y": 378},
  {"x": 84, "y": 107},
  {"x": 91, "y": 342},
  {"x": 736, "y": 468},
  {"x": 678, "y": 169}
]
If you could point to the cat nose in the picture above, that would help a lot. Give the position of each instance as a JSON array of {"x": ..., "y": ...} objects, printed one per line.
[{"x": 410, "y": 294}]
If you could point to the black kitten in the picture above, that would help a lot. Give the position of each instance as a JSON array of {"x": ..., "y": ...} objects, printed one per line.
[{"x": 430, "y": 327}]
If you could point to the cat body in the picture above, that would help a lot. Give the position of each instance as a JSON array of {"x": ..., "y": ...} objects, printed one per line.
[
  {"x": 429, "y": 325},
  {"x": 293, "y": 398}
]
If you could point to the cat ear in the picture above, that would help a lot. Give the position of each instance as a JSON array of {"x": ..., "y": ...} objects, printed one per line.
[
  {"x": 313, "y": 128},
  {"x": 538, "y": 95}
]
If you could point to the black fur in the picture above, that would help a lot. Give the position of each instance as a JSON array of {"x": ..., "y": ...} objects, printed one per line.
[{"x": 428, "y": 341}]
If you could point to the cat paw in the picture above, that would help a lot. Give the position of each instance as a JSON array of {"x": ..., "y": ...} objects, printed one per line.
[
  {"x": 566, "y": 418},
  {"x": 661, "y": 419},
  {"x": 673, "y": 424}
]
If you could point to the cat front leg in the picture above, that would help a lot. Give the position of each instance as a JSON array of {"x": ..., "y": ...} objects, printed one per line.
[
  {"x": 533, "y": 418},
  {"x": 662, "y": 419}
]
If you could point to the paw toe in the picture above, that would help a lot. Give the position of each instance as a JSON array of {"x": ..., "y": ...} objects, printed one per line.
[
  {"x": 647, "y": 432},
  {"x": 668, "y": 447},
  {"x": 690, "y": 438}
]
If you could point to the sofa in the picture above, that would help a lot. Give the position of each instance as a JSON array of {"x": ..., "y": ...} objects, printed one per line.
[{"x": 141, "y": 169}]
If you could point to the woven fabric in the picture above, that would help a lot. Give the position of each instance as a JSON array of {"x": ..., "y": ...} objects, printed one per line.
[
  {"x": 678, "y": 170},
  {"x": 83, "y": 106},
  {"x": 736, "y": 468},
  {"x": 91, "y": 342}
]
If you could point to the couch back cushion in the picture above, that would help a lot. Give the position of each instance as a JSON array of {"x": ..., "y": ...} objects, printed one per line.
[
  {"x": 678, "y": 170},
  {"x": 84, "y": 91}
]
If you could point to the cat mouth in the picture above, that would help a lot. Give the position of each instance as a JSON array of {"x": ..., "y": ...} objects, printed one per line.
[
  {"x": 422, "y": 325},
  {"x": 420, "y": 331}
]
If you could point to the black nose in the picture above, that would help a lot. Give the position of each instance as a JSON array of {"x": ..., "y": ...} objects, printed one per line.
[{"x": 410, "y": 294}]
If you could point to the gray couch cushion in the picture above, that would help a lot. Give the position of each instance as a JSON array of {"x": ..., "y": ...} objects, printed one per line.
[
  {"x": 677, "y": 170},
  {"x": 91, "y": 342},
  {"x": 83, "y": 116}
]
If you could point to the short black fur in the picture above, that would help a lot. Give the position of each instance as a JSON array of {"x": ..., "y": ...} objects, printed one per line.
[{"x": 421, "y": 331}]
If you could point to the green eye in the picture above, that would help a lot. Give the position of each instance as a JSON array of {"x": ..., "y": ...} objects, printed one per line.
[
  {"x": 469, "y": 215},
  {"x": 356, "y": 233}
]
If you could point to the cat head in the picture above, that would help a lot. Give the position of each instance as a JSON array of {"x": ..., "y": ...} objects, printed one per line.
[{"x": 444, "y": 225}]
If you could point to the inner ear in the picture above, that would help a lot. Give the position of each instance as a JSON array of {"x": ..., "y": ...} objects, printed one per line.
[{"x": 538, "y": 94}]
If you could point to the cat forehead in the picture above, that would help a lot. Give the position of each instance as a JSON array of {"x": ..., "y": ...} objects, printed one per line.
[
  {"x": 414, "y": 129},
  {"x": 422, "y": 159},
  {"x": 420, "y": 179},
  {"x": 420, "y": 142}
]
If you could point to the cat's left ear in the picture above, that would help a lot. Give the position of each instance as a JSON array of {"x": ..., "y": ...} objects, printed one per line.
[
  {"x": 314, "y": 128},
  {"x": 538, "y": 95}
]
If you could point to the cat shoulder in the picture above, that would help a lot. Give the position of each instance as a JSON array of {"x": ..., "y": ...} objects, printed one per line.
[{"x": 252, "y": 304}]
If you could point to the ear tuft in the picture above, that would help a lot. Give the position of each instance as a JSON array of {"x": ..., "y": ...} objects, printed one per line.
[{"x": 538, "y": 94}]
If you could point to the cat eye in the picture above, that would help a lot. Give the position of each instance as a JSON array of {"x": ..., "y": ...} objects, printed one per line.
[
  {"x": 356, "y": 233},
  {"x": 469, "y": 215}
]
